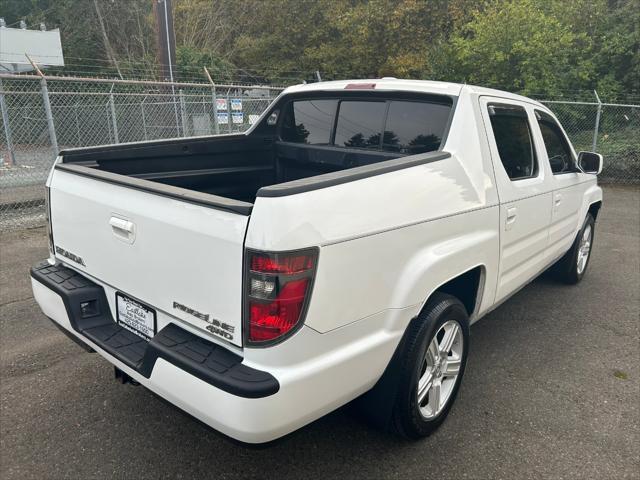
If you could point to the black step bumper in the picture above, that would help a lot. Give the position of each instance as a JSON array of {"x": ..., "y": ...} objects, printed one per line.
[{"x": 203, "y": 359}]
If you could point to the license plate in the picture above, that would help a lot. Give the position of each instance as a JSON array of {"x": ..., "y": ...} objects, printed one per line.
[{"x": 135, "y": 317}]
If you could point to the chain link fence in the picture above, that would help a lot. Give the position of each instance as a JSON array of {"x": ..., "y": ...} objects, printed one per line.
[
  {"x": 607, "y": 128},
  {"x": 43, "y": 115}
]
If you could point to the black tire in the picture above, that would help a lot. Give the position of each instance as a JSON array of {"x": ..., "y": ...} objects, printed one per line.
[
  {"x": 566, "y": 269},
  {"x": 407, "y": 419}
]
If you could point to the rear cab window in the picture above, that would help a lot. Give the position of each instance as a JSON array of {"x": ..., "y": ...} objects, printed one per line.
[
  {"x": 360, "y": 124},
  {"x": 309, "y": 121},
  {"x": 415, "y": 127},
  {"x": 406, "y": 127}
]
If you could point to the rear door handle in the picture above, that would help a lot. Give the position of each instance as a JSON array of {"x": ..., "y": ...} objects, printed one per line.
[
  {"x": 558, "y": 199},
  {"x": 123, "y": 229},
  {"x": 512, "y": 213}
]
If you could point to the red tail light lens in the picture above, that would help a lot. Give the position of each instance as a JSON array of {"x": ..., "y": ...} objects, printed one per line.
[
  {"x": 288, "y": 265},
  {"x": 277, "y": 291}
]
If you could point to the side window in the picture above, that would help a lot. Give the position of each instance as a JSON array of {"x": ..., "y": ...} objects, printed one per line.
[
  {"x": 514, "y": 140},
  {"x": 309, "y": 121},
  {"x": 360, "y": 124},
  {"x": 558, "y": 150},
  {"x": 415, "y": 127}
]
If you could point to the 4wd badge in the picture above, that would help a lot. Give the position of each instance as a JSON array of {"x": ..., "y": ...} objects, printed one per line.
[{"x": 214, "y": 326}]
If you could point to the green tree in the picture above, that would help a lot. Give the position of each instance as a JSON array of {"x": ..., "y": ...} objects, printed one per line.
[
  {"x": 348, "y": 38},
  {"x": 517, "y": 46},
  {"x": 617, "y": 56},
  {"x": 545, "y": 47},
  {"x": 190, "y": 63}
]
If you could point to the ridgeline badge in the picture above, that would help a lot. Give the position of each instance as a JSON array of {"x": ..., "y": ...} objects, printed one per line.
[{"x": 70, "y": 256}]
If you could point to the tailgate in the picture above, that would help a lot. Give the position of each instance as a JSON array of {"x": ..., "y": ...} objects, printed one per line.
[{"x": 181, "y": 258}]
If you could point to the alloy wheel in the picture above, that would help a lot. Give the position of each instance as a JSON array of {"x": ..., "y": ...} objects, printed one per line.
[
  {"x": 440, "y": 369},
  {"x": 584, "y": 249}
]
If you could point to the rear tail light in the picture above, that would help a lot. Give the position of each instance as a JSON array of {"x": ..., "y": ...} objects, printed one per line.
[{"x": 277, "y": 291}]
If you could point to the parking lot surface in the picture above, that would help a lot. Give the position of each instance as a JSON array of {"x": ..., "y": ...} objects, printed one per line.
[{"x": 552, "y": 389}]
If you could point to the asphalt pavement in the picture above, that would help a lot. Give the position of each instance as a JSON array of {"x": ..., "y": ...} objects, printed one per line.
[{"x": 552, "y": 390}]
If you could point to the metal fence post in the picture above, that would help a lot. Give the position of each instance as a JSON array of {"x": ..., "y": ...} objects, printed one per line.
[
  {"x": 175, "y": 108},
  {"x": 144, "y": 119},
  {"x": 114, "y": 120},
  {"x": 47, "y": 110},
  {"x": 7, "y": 127},
  {"x": 229, "y": 112},
  {"x": 216, "y": 127},
  {"x": 183, "y": 113},
  {"x": 597, "y": 126},
  {"x": 47, "y": 105},
  {"x": 75, "y": 114}
]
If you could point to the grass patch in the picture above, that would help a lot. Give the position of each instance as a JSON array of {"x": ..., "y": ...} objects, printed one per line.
[{"x": 620, "y": 374}]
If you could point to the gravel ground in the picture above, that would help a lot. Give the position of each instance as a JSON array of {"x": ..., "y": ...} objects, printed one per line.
[{"x": 552, "y": 390}]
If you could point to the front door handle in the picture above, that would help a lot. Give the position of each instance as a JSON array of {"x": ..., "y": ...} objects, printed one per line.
[
  {"x": 512, "y": 213},
  {"x": 557, "y": 200}
]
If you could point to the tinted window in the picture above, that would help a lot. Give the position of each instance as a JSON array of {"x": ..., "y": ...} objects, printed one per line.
[
  {"x": 414, "y": 127},
  {"x": 360, "y": 124},
  {"x": 309, "y": 121},
  {"x": 558, "y": 150},
  {"x": 513, "y": 138}
]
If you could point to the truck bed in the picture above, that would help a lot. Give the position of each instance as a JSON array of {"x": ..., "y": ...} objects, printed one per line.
[{"x": 231, "y": 167}]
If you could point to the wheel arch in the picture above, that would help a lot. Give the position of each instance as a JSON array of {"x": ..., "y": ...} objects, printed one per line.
[
  {"x": 467, "y": 287},
  {"x": 592, "y": 202},
  {"x": 462, "y": 263},
  {"x": 594, "y": 208}
]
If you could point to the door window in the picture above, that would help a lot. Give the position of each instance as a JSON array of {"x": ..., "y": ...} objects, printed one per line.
[
  {"x": 514, "y": 140},
  {"x": 558, "y": 150}
]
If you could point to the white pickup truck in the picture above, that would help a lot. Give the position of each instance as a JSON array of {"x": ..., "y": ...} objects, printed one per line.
[{"x": 337, "y": 250}]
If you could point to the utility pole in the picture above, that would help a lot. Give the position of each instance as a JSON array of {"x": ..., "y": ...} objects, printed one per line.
[
  {"x": 165, "y": 38},
  {"x": 166, "y": 47}
]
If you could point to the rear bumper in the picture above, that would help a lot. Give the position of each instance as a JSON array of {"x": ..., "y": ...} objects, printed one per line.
[
  {"x": 261, "y": 397},
  {"x": 202, "y": 359}
]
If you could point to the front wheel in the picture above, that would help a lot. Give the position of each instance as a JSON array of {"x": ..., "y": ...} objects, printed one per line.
[
  {"x": 432, "y": 367},
  {"x": 573, "y": 265}
]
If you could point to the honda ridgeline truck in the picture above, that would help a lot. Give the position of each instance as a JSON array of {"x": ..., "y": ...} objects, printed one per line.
[{"x": 337, "y": 250}]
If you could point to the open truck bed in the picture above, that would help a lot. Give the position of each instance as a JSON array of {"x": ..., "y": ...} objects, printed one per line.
[{"x": 225, "y": 171}]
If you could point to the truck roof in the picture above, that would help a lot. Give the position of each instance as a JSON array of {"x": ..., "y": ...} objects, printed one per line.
[{"x": 397, "y": 84}]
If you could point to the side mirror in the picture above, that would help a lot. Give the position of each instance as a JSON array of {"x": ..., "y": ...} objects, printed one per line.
[{"x": 590, "y": 162}]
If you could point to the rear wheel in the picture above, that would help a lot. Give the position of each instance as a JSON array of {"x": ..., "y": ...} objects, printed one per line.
[
  {"x": 432, "y": 366},
  {"x": 573, "y": 265}
]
